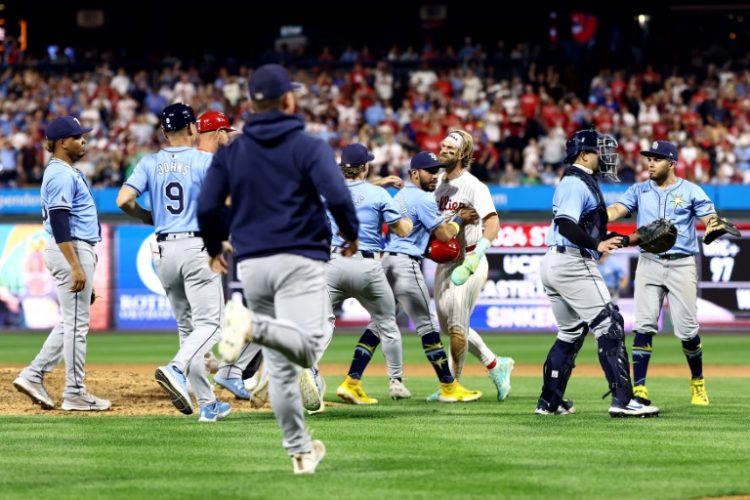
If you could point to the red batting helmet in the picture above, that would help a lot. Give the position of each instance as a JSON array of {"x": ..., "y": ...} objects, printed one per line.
[
  {"x": 443, "y": 252},
  {"x": 213, "y": 120}
]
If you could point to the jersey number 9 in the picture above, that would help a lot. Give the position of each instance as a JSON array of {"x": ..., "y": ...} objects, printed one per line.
[{"x": 175, "y": 193}]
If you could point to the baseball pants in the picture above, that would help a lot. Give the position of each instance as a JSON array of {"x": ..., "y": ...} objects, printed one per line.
[
  {"x": 365, "y": 280},
  {"x": 676, "y": 279},
  {"x": 287, "y": 293},
  {"x": 197, "y": 299},
  {"x": 68, "y": 339}
]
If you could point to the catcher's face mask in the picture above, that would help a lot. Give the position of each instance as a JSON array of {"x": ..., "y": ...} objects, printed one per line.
[{"x": 608, "y": 156}]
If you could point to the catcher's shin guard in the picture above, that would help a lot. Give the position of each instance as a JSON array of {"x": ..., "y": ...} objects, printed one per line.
[
  {"x": 557, "y": 371},
  {"x": 614, "y": 360}
]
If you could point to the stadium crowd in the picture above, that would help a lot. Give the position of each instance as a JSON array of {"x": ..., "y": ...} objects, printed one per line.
[{"x": 399, "y": 104}]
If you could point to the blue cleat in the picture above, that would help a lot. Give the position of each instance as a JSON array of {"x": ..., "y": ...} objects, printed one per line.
[
  {"x": 500, "y": 376},
  {"x": 173, "y": 381},
  {"x": 214, "y": 411},
  {"x": 234, "y": 385}
]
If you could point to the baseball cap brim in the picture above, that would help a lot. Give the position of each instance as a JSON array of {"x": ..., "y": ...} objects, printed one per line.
[
  {"x": 370, "y": 157},
  {"x": 654, "y": 154},
  {"x": 71, "y": 133}
]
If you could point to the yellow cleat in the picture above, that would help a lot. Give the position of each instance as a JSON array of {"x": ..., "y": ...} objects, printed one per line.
[
  {"x": 352, "y": 392},
  {"x": 698, "y": 395},
  {"x": 640, "y": 393},
  {"x": 456, "y": 393}
]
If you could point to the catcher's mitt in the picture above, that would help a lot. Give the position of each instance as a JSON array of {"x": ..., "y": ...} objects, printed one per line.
[
  {"x": 657, "y": 236},
  {"x": 719, "y": 226}
]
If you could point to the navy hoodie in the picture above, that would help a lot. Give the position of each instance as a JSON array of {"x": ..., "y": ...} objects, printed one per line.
[{"x": 276, "y": 175}]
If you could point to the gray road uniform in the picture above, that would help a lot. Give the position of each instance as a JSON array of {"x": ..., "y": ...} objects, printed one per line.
[{"x": 362, "y": 276}]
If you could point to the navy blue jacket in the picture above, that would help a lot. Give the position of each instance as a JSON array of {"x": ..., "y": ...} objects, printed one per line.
[{"x": 276, "y": 175}]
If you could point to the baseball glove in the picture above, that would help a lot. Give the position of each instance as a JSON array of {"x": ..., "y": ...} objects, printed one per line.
[
  {"x": 657, "y": 236},
  {"x": 719, "y": 226}
]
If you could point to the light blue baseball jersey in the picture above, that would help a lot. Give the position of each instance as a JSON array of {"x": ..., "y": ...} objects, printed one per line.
[
  {"x": 422, "y": 209},
  {"x": 572, "y": 199},
  {"x": 173, "y": 178},
  {"x": 681, "y": 203},
  {"x": 374, "y": 206},
  {"x": 64, "y": 187}
]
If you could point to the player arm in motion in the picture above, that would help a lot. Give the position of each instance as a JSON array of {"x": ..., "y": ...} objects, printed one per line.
[
  {"x": 402, "y": 227},
  {"x": 212, "y": 220},
  {"x": 126, "y": 200},
  {"x": 60, "y": 221},
  {"x": 573, "y": 232},
  {"x": 446, "y": 231}
]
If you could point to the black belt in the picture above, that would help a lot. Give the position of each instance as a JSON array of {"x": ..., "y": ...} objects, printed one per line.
[
  {"x": 92, "y": 243},
  {"x": 674, "y": 256},
  {"x": 412, "y": 257},
  {"x": 366, "y": 255},
  {"x": 183, "y": 234},
  {"x": 574, "y": 251}
]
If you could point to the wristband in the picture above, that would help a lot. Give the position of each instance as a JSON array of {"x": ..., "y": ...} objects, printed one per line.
[
  {"x": 458, "y": 220},
  {"x": 455, "y": 225},
  {"x": 482, "y": 246}
]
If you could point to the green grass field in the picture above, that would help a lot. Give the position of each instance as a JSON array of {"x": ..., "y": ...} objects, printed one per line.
[{"x": 405, "y": 449}]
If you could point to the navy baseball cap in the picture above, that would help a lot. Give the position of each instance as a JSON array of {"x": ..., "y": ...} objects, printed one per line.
[
  {"x": 177, "y": 116},
  {"x": 66, "y": 126},
  {"x": 662, "y": 149},
  {"x": 425, "y": 159},
  {"x": 270, "y": 81},
  {"x": 355, "y": 155}
]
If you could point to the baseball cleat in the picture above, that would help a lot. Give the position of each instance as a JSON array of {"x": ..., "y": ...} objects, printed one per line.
[
  {"x": 312, "y": 400},
  {"x": 434, "y": 397},
  {"x": 633, "y": 409},
  {"x": 173, "y": 381},
  {"x": 214, "y": 411},
  {"x": 500, "y": 376},
  {"x": 237, "y": 330},
  {"x": 566, "y": 407},
  {"x": 351, "y": 391},
  {"x": 234, "y": 385},
  {"x": 456, "y": 393},
  {"x": 698, "y": 395},
  {"x": 85, "y": 402},
  {"x": 397, "y": 390},
  {"x": 640, "y": 394},
  {"x": 35, "y": 391},
  {"x": 259, "y": 396},
  {"x": 306, "y": 463}
]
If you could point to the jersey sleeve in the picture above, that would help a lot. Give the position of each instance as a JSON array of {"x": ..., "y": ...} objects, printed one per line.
[
  {"x": 428, "y": 213},
  {"x": 60, "y": 190},
  {"x": 570, "y": 198},
  {"x": 702, "y": 204},
  {"x": 483, "y": 203},
  {"x": 138, "y": 180},
  {"x": 389, "y": 208},
  {"x": 629, "y": 199}
]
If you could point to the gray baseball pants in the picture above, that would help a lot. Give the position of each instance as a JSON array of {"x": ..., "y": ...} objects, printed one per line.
[
  {"x": 287, "y": 294},
  {"x": 365, "y": 280},
  {"x": 677, "y": 279},
  {"x": 68, "y": 339},
  {"x": 197, "y": 299},
  {"x": 576, "y": 292}
]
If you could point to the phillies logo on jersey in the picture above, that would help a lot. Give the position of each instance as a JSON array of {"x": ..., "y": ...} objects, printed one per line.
[{"x": 445, "y": 203}]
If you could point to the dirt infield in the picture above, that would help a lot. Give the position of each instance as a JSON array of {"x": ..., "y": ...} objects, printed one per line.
[{"x": 134, "y": 393}]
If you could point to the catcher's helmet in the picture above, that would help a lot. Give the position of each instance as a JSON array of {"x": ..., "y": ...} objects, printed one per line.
[
  {"x": 213, "y": 120},
  {"x": 443, "y": 252},
  {"x": 177, "y": 116},
  {"x": 604, "y": 145}
]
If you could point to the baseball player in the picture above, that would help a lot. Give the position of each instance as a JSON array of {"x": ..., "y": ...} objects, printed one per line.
[
  {"x": 403, "y": 266},
  {"x": 458, "y": 283},
  {"x": 362, "y": 277},
  {"x": 71, "y": 219},
  {"x": 213, "y": 131},
  {"x": 579, "y": 298},
  {"x": 173, "y": 178},
  {"x": 672, "y": 273},
  {"x": 276, "y": 175}
]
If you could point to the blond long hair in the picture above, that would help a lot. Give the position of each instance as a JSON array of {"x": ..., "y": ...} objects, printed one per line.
[{"x": 466, "y": 151}]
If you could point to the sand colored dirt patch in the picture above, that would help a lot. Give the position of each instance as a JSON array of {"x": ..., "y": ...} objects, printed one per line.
[{"x": 133, "y": 391}]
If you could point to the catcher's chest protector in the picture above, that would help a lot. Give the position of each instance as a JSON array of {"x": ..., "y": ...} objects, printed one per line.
[{"x": 594, "y": 223}]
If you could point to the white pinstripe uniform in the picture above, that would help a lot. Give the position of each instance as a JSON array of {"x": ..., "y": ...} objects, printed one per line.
[{"x": 456, "y": 303}]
